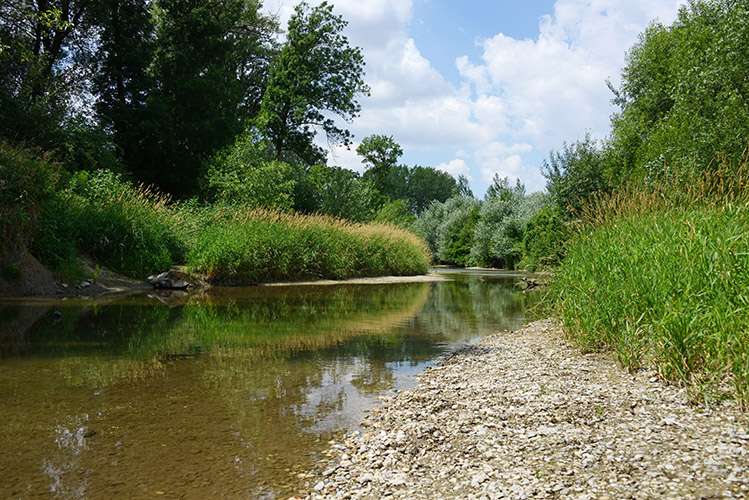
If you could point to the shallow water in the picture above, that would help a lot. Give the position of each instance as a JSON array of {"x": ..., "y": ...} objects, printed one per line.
[{"x": 230, "y": 393}]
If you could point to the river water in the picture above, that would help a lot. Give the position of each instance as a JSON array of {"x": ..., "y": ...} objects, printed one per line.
[{"x": 229, "y": 393}]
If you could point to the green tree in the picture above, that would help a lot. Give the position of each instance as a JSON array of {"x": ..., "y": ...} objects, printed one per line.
[
  {"x": 577, "y": 173},
  {"x": 39, "y": 42},
  {"x": 380, "y": 154},
  {"x": 210, "y": 65},
  {"x": 122, "y": 81},
  {"x": 247, "y": 174},
  {"x": 684, "y": 95},
  {"x": 317, "y": 73},
  {"x": 341, "y": 193},
  {"x": 426, "y": 184}
]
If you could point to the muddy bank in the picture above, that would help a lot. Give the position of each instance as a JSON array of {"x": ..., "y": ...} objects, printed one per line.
[{"x": 525, "y": 415}]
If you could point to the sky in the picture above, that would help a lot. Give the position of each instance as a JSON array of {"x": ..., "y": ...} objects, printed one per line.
[{"x": 485, "y": 87}]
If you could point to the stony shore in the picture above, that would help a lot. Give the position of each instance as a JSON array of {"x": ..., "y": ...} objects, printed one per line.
[{"x": 526, "y": 415}]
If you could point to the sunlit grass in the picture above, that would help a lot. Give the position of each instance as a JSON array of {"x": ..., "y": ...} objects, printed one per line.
[
  {"x": 243, "y": 246},
  {"x": 137, "y": 231},
  {"x": 660, "y": 275}
]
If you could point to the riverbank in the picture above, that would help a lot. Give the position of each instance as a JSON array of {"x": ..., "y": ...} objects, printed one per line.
[{"x": 526, "y": 415}]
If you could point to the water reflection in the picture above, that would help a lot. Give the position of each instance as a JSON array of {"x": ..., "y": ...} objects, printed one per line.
[{"x": 228, "y": 393}]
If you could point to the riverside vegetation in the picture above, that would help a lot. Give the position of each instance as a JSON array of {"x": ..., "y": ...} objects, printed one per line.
[{"x": 643, "y": 231}]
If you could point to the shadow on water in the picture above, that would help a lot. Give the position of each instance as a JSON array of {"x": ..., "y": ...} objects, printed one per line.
[{"x": 228, "y": 393}]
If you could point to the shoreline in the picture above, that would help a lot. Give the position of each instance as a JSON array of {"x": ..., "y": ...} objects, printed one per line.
[{"x": 527, "y": 415}]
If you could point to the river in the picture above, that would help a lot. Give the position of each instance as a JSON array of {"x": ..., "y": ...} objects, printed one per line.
[{"x": 226, "y": 393}]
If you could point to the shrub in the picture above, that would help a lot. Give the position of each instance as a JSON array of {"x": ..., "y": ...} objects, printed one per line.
[{"x": 27, "y": 181}]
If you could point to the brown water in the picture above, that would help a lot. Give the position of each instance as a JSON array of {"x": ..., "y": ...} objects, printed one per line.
[{"x": 231, "y": 393}]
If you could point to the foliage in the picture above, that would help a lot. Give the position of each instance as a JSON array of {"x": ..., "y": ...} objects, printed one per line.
[
  {"x": 27, "y": 181},
  {"x": 499, "y": 234},
  {"x": 684, "y": 95},
  {"x": 380, "y": 155},
  {"x": 209, "y": 64},
  {"x": 448, "y": 227},
  {"x": 545, "y": 237},
  {"x": 34, "y": 84},
  {"x": 576, "y": 174},
  {"x": 244, "y": 174},
  {"x": 659, "y": 275},
  {"x": 126, "y": 228},
  {"x": 396, "y": 213},
  {"x": 316, "y": 73},
  {"x": 258, "y": 246},
  {"x": 340, "y": 192}
]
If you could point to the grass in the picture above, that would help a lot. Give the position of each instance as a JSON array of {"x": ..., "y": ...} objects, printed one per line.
[
  {"x": 138, "y": 232},
  {"x": 262, "y": 246},
  {"x": 660, "y": 276}
]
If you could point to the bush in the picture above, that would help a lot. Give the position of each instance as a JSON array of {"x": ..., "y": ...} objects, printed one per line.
[
  {"x": 27, "y": 182},
  {"x": 546, "y": 234}
]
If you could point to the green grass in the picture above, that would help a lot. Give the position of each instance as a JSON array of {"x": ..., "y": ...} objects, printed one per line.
[
  {"x": 126, "y": 228},
  {"x": 260, "y": 246},
  {"x": 660, "y": 276},
  {"x": 138, "y": 232}
]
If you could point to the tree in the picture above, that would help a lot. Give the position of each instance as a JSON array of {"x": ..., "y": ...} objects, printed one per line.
[
  {"x": 379, "y": 154},
  {"x": 210, "y": 63},
  {"x": 684, "y": 95},
  {"x": 577, "y": 173},
  {"x": 122, "y": 81},
  {"x": 341, "y": 193},
  {"x": 246, "y": 174},
  {"x": 39, "y": 42},
  {"x": 316, "y": 73},
  {"x": 426, "y": 184}
]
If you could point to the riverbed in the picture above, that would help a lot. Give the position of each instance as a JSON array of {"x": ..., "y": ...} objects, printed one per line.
[{"x": 229, "y": 392}]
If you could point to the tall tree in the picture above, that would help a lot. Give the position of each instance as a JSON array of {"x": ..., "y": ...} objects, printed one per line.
[
  {"x": 380, "y": 154},
  {"x": 122, "y": 82},
  {"x": 38, "y": 42},
  {"x": 316, "y": 73},
  {"x": 684, "y": 95},
  {"x": 209, "y": 68}
]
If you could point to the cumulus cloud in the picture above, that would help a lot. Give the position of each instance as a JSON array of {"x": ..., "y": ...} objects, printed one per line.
[
  {"x": 456, "y": 168},
  {"x": 517, "y": 101}
]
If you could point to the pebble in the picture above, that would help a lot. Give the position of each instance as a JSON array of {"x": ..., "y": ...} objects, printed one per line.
[{"x": 525, "y": 415}]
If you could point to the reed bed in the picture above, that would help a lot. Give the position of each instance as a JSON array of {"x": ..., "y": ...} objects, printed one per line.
[
  {"x": 659, "y": 274},
  {"x": 253, "y": 246},
  {"x": 137, "y": 232}
]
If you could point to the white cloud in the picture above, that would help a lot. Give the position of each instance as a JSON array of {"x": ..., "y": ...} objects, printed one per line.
[
  {"x": 455, "y": 168},
  {"x": 521, "y": 99}
]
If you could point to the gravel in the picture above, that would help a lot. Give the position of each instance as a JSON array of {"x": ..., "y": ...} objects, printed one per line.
[{"x": 525, "y": 415}]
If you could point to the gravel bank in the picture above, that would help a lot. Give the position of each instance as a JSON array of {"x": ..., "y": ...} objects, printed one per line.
[{"x": 524, "y": 415}]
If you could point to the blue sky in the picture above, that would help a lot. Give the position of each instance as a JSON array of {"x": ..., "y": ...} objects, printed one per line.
[{"x": 479, "y": 87}]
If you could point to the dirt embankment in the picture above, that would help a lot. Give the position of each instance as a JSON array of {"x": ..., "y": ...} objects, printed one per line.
[
  {"x": 525, "y": 415},
  {"x": 33, "y": 279}
]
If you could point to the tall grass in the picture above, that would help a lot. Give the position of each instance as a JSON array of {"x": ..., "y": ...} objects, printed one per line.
[
  {"x": 659, "y": 273},
  {"x": 137, "y": 232},
  {"x": 243, "y": 246},
  {"x": 128, "y": 228}
]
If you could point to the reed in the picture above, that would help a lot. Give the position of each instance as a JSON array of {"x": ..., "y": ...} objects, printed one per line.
[
  {"x": 659, "y": 274},
  {"x": 242, "y": 246}
]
